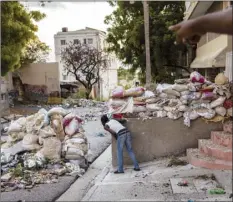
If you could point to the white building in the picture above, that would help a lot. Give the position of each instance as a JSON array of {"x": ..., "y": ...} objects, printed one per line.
[{"x": 95, "y": 38}]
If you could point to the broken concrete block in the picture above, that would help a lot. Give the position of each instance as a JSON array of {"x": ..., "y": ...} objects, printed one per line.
[{"x": 6, "y": 177}]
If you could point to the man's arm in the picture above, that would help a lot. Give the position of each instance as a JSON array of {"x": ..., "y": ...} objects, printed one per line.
[
  {"x": 106, "y": 127},
  {"x": 192, "y": 30}
]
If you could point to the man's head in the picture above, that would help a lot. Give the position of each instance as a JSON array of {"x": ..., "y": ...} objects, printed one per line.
[{"x": 104, "y": 119}]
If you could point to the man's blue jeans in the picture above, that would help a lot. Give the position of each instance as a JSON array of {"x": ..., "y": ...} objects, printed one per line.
[{"x": 125, "y": 139}]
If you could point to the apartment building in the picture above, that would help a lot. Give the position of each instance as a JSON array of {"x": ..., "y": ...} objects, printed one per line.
[
  {"x": 95, "y": 38},
  {"x": 214, "y": 51}
]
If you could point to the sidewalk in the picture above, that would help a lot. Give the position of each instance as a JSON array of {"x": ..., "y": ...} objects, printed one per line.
[{"x": 157, "y": 182}]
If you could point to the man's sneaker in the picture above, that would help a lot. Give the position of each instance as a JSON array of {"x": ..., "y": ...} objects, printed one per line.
[
  {"x": 117, "y": 172},
  {"x": 137, "y": 169}
]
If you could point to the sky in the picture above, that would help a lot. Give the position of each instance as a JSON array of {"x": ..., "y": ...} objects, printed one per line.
[{"x": 74, "y": 15}]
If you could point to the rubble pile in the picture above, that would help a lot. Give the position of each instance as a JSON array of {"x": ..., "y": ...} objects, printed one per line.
[
  {"x": 41, "y": 147},
  {"x": 188, "y": 98},
  {"x": 71, "y": 102}
]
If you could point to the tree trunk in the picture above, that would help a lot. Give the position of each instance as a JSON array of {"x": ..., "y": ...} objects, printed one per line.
[{"x": 147, "y": 42}]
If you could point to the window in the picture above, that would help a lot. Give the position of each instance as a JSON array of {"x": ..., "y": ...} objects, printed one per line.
[
  {"x": 76, "y": 41},
  {"x": 90, "y": 41},
  {"x": 63, "y": 42},
  {"x": 85, "y": 41},
  {"x": 64, "y": 77}
]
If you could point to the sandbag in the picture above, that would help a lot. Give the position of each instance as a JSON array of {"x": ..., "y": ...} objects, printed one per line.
[
  {"x": 192, "y": 115},
  {"x": 57, "y": 110},
  {"x": 161, "y": 87},
  {"x": 165, "y": 95},
  {"x": 181, "y": 81},
  {"x": 117, "y": 102},
  {"x": 139, "y": 99},
  {"x": 186, "y": 92},
  {"x": 134, "y": 92},
  {"x": 152, "y": 100},
  {"x": 148, "y": 94},
  {"x": 118, "y": 92},
  {"x": 174, "y": 115},
  {"x": 180, "y": 87},
  {"x": 14, "y": 127},
  {"x": 169, "y": 109},
  {"x": 207, "y": 95},
  {"x": 197, "y": 77},
  {"x": 217, "y": 102},
  {"x": 51, "y": 148},
  {"x": 183, "y": 108},
  {"x": 229, "y": 112},
  {"x": 191, "y": 87},
  {"x": 15, "y": 136},
  {"x": 43, "y": 111},
  {"x": 46, "y": 132},
  {"x": 57, "y": 125},
  {"x": 137, "y": 109},
  {"x": 153, "y": 107},
  {"x": 227, "y": 104},
  {"x": 74, "y": 151},
  {"x": 72, "y": 128},
  {"x": 220, "y": 111},
  {"x": 73, "y": 156},
  {"x": 172, "y": 92},
  {"x": 69, "y": 117},
  {"x": 30, "y": 142},
  {"x": 221, "y": 79},
  {"x": 161, "y": 114},
  {"x": 207, "y": 114},
  {"x": 191, "y": 96}
]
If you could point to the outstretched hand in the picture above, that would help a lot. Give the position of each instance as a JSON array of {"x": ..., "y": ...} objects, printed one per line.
[{"x": 188, "y": 32}]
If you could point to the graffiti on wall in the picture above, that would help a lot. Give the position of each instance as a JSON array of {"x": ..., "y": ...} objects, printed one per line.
[{"x": 36, "y": 92}]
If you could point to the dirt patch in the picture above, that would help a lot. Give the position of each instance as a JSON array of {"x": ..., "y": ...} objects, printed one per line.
[{"x": 174, "y": 161}]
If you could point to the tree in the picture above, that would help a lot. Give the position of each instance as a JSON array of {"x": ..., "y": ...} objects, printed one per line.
[
  {"x": 126, "y": 37},
  {"x": 35, "y": 51},
  {"x": 84, "y": 63},
  {"x": 18, "y": 30}
]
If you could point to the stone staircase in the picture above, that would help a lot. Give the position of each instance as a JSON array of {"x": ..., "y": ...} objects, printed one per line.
[{"x": 214, "y": 153}]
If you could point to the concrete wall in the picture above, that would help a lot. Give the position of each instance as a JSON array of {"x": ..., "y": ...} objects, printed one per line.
[{"x": 163, "y": 137}]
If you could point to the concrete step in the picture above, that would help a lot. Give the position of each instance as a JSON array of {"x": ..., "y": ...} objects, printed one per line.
[
  {"x": 222, "y": 138},
  {"x": 210, "y": 149},
  {"x": 227, "y": 127},
  {"x": 196, "y": 158}
]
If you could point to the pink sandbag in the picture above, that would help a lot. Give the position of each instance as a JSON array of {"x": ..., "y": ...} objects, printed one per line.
[
  {"x": 197, "y": 77},
  {"x": 207, "y": 95},
  {"x": 118, "y": 92}
]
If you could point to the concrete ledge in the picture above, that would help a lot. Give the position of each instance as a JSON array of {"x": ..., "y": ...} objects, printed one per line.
[{"x": 161, "y": 137}]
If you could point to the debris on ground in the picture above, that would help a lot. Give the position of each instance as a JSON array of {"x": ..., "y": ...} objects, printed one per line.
[
  {"x": 183, "y": 183},
  {"x": 41, "y": 147},
  {"x": 174, "y": 161},
  {"x": 206, "y": 177},
  {"x": 190, "y": 98}
]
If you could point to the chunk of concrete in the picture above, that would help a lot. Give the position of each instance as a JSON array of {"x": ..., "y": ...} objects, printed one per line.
[
  {"x": 6, "y": 177},
  {"x": 182, "y": 189}
]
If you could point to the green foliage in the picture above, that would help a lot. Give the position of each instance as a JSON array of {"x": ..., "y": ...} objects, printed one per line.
[
  {"x": 126, "y": 36},
  {"x": 125, "y": 74},
  {"x": 18, "y": 29},
  {"x": 80, "y": 94},
  {"x": 17, "y": 171}
]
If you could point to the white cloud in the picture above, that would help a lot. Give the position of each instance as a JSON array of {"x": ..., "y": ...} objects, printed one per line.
[{"x": 75, "y": 15}]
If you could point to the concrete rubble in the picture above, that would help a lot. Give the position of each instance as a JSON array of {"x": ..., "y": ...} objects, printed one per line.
[{"x": 188, "y": 98}]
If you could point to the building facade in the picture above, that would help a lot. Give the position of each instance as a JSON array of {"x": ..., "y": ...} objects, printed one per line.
[
  {"x": 213, "y": 50},
  {"x": 95, "y": 38}
]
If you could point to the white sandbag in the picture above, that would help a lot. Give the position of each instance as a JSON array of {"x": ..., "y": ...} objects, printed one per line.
[
  {"x": 165, "y": 95},
  {"x": 180, "y": 87},
  {"x": 152, "y": 100},
  {"x": 51, "y": 148},
  {"x": 174, "y": 115},
  {"x": 183, "y": 108},
  {"x": 148, "y": 94},
  {"x": 57, "y": 110},
  {"x": 43, "y": 111},
  {"x": 186, "y": 92},
  {"x": 192, "y": 115},
  {"x": 184, "y": 102},
  {"x": 187, "y": 121},
  {"x": 75, "y": 141},
  {"x": 169, "y": 109},
  {"x": 208, "y": 114},
  {"x": 30, "y": 142},
  {"x": 161, "y": 87},
  {"x": 72, "y": 127},
  {"x": 74, "y": 151},
  {"x": 229, "y": 112},
  {"x": 172, "y": 92},
  {"x": 191, "y": 87},
  {"x": 117, "y": 102},
  {"x": 217, "y": 102},
  {"x": 161, "y": 114},
  {"x": 46, "y": 132},
  {"x": 153, "y": 107},
  {"x": 73, "y": 157},
  {"x": 220, "y": 111},
  {"x": 14, "y": 127},
  {"x": 137, "y": 109},
  {"x": 57, "y": 125},
  {"x": 15, "y": 136}
]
